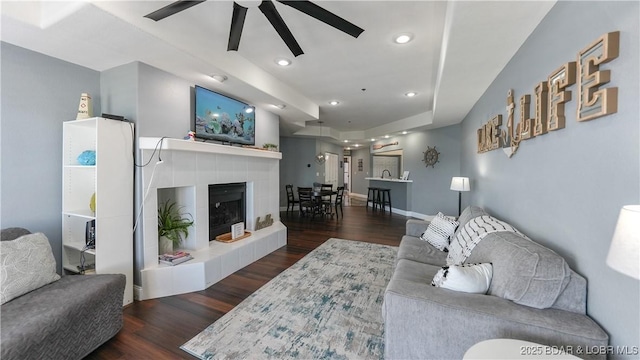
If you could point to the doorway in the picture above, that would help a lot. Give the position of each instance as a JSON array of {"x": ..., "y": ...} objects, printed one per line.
[
  {"x": 331, "y": 169},
  {"x": 346, "y": 167}
]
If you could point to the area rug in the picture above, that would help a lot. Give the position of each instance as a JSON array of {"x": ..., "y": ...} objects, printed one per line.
[{"x": 326, "y": 306}]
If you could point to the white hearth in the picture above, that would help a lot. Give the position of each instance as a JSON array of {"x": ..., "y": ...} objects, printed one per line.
[{"x": 184, "y": 174}]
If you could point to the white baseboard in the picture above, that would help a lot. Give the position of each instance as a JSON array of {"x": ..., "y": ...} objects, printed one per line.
[
  {"x": 137, "y": 290},
  {"x": 358, "y": 196}
]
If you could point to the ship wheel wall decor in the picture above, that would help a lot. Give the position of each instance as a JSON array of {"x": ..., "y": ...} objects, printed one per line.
[{"x": 430, "y": 156}]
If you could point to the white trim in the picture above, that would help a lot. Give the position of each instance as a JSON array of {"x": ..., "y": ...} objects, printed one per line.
[{"x": 150, "y": 143}]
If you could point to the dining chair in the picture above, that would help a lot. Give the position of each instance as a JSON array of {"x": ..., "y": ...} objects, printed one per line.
[
  {"x": 338, "y": 202},
  {"x": 307, "y": 204},
  {"x": 291, "y": 199},
  {"x": 326, "y": 200}
]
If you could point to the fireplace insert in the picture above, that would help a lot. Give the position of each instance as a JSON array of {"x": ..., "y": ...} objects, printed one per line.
[{"x": 226, "y": 207}]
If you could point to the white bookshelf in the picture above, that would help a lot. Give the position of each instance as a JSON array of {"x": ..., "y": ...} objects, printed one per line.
[{"x": 111, "y": 179}]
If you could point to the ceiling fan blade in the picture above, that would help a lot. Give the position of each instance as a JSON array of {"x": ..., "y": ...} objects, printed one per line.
[
  {"x": 237, "y": 23},
  {"x": 269, "y": 10},
  {"x": 325, "y": 16},
  {"x": 172, "y": 8}
]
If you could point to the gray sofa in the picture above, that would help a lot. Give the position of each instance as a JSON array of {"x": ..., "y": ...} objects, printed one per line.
[
  {"x": 66, "y": 319},
  {"x": 533, "y": 296}
]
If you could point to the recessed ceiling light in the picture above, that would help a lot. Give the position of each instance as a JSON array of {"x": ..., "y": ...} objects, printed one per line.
[
  {"x": 283, "y": 62},
  {"x": 348, "y": 148},
  {"x": 334, "y": 102},
  {"x": 357, "y": 145},
  {"x": 279, "y": 106},
  {"x": 404, "y": 133},
  {"x": 403, "y": 38},
  {"x": 248, "y": 110},
  {"x": 346, "y": 141},
  {"x": 410, "y": 94},
  {"x": 386, "y": 136},
  {"x": 219, "y": 78},
  {"x": 373, "y": 139}
]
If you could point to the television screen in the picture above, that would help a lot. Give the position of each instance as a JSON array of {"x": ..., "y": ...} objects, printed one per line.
[{"x": 221, "y": 118}]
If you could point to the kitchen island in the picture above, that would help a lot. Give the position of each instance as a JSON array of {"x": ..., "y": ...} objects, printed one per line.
[{"x": 400, "y": 192}]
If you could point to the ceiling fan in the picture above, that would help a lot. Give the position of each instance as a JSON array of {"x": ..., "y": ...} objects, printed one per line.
[{"x": 269, "y": 10}]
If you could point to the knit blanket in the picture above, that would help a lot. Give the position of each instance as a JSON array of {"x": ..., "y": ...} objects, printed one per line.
[{"x": 471, "y": 234}]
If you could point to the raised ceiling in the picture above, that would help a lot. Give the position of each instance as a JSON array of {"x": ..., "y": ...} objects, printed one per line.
[{"x": 458, "y": 48}]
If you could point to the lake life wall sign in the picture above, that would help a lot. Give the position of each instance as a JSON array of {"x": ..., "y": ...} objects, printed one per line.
[{"x": 552, "y": 94}]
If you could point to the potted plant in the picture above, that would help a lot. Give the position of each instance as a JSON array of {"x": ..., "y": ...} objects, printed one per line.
[
  {"x": 173, "y": 224},
  {"x": 270, "y": 147}
]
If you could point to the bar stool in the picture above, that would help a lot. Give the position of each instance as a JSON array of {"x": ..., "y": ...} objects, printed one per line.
[
  {"x": 372, "y": 196},
  {"x": 384, "y": 198}
]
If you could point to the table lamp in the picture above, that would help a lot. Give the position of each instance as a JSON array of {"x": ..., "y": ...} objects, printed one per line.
[
  {"x": 624, "y": 253},
  {"x": 460, "y": 184}
]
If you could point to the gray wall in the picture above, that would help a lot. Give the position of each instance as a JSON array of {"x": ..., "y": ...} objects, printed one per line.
[
  {"x": 565, "y": 189},
  {"x": 38, "y": 94},
  {"x": 358, "y": 183},
  {"x": 297, "y": 166},
  {"x": 431, "y": 193}
]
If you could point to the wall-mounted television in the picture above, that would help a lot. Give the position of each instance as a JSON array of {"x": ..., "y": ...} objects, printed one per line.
[{"x": 221, "y": 118}]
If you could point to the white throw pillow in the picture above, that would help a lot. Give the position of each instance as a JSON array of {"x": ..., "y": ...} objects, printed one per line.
[
  {"x": 27, "y": 263},
  {"x": 440, "y": 231},
  {"x": 469, "y": 278}
]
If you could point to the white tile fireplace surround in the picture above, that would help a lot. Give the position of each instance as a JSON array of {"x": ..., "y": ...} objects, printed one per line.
[{"x": 184, "y": 175}]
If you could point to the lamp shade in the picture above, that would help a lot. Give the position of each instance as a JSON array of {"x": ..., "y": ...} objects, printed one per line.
[
  {"x": 460, "y": 184},
  {"x": 624, "y": 253}
]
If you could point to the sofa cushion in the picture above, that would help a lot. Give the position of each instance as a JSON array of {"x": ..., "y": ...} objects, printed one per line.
[
  {"x": 415, "y": 227},
  {"x": 523, "y": 271},
  {"x": 414, "y": 249},
  {"x": 66, "y": 319},
  {"x": 27, "y": 264},
  {"x": 470, "y": 278},
  {"x": 467, "y": 214},
  {"x": 13, "y": 233},
  {"x": 439, "y": 232}
]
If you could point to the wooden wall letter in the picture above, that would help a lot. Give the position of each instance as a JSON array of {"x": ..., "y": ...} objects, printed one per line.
[
  {"x": 540, "y": 122},
  {"x": 524, "y": 128},
  {"x": 495, "y": 132},
  {"x": 489, "y": 135},
  {"x": 558, "y": 81},
  {"x": 594, "y": 102},
  {"x": 481, "y": 140}
]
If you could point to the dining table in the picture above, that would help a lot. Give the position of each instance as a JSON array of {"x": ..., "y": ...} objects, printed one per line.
[{"x": 317, "y": 195}]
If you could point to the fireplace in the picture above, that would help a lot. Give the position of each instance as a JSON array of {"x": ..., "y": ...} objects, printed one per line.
[{"x": 226, "y": 207}]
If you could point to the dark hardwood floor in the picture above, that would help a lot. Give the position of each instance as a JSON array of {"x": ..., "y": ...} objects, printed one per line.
[{"x": 155, "y": 329}]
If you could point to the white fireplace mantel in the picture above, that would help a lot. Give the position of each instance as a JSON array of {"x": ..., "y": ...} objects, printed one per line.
[
  {"x": 184, "y": 175},
  {"x": 150, "y": 143}
]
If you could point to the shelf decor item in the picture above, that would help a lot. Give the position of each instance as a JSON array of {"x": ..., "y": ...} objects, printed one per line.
[
  {"x": 270, "y": 147},
  {"x": 87, "y": 157},
  {"x": 92, "y": 203},
  {"x": 85, "y": 108},
  {"x": 172, "y": 226}
]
